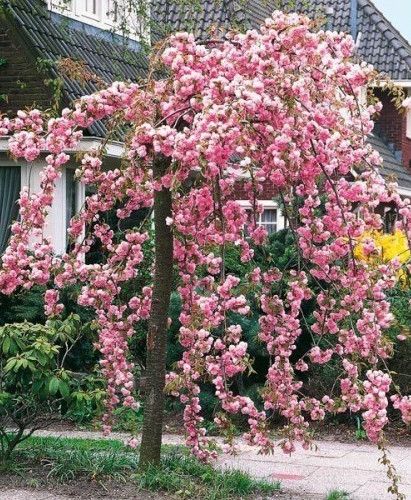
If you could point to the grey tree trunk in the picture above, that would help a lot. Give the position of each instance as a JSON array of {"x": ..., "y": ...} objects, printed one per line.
[{"x": 150, "y": 451}]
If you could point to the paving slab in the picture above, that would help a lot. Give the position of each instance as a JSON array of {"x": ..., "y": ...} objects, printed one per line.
[{"x": 274, "y": 472}]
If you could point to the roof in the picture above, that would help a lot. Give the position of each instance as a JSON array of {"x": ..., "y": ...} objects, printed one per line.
[
  {"x": 53, "y": 37},
  {"x": 392, "y": 167},
  {"x": 379, "y": 42},
  {"x": 198, "y": 17}
]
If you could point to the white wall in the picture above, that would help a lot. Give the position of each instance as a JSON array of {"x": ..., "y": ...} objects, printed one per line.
[{"x": 55, "y": 227}]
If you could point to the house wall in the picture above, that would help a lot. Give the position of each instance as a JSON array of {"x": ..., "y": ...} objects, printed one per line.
[
  {"x": 55, "y": 227},
  {"x": 392, "y": 125},
  {"x": 21, "y": 84}
]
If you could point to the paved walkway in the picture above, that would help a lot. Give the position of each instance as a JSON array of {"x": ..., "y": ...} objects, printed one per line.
[{"x": 349, "y": 467}]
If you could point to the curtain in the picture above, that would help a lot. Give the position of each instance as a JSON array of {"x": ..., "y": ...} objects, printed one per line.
[
  {"x": 269, "y": 220},
  {"x": 9, "y": 194}
]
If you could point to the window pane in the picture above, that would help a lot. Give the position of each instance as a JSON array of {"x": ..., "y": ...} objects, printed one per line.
[
  {"x": 270, "y": 228},
  {"x": 9, "y": 194},
  {"x": 112, "y": 12},
  {"x": 70, "y": 196},
  {"x": 269, "y": 216},
  {"x": 269, "y": 220},
  {"x": 91, "y": 6}
]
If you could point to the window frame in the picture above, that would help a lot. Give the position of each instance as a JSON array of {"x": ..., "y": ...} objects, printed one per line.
[
  {"x": 83, "y": 11},
  {"x": 265, "y": 224},
  {"x": 267, "y": 205}
]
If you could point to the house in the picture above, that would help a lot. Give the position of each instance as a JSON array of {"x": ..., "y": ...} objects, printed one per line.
[{"x": 38, "y": 36}]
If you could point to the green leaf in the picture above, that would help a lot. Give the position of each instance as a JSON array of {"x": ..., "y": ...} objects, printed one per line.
[
  {"x": 6, "y": 345},
  {"x": 10, "y": 365},
  {"x": 54, "y": 385},
  {"x": 64, "y": 389}
]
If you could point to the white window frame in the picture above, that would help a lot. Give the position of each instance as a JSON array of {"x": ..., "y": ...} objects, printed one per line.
[
  {"x": 408, "y": 120},
  {"x": 81, "y": 5},
  {"x": 267, "y": 205}
]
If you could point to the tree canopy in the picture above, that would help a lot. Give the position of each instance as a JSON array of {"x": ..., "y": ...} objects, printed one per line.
[{"x": 282, "y": 106}]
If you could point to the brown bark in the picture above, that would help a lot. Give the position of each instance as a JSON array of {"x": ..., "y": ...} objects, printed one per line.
[{"x": 150, "y": 451}]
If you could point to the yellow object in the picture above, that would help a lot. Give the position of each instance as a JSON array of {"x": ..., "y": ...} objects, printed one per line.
[{"x": 376, "y": 247}]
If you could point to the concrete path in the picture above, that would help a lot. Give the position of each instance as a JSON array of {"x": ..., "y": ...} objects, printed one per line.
[
  {"x": 352, "y": 468},
  {"x": 349, "y": 467}
]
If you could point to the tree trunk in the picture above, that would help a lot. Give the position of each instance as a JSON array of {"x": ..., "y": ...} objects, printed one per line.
[{"x": 150, "y": 451}]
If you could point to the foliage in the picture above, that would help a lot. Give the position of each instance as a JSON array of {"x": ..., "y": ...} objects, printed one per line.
[
  {"x": 35, "y": 386},
  {"x": 400, "y": 333}
]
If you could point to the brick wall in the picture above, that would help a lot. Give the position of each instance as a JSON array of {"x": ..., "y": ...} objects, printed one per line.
[
  {"x": 269, "y": 192},
  {"x": 393, "y": 126},
  {"x": 20, "y": 80}
]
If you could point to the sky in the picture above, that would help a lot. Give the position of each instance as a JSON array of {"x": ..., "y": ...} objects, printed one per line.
[{"x": 399, "y": 13}]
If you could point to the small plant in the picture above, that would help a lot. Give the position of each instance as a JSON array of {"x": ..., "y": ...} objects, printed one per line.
[
  {"x": 337, "y": 495},
  {"x": 360, "y": 433}
]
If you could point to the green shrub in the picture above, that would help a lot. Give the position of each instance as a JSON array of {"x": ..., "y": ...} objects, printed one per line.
[{"x": 35, "y": 386}]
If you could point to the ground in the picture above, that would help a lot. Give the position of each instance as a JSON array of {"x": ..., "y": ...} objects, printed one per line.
[{"x": 350, "y": 467}]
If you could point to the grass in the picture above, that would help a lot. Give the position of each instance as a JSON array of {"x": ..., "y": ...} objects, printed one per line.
[
  {"x": 187, "y": 477},
  {"x": 337, "y": 495},
  {"x": 67, "y": 459}
]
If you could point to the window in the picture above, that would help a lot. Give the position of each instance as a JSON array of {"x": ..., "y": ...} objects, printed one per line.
[
  {"x": 92, "y": 8},
  {"x": 64, "y": 7},
  {"x": 389, "y": 220},
  {"x": 112, "y": 11},
  {"x": 268, "y": 220},
  {"x": 71, "y": 196},
  {"x": 74, "y": 196},
  {"x": 10, "y": 180},
  {"x": 271, "y": 218},
  {"x": 409, "y": 123}
]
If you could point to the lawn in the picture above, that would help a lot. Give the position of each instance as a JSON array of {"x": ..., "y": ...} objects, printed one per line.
[{"x": 87, "y": 466}]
